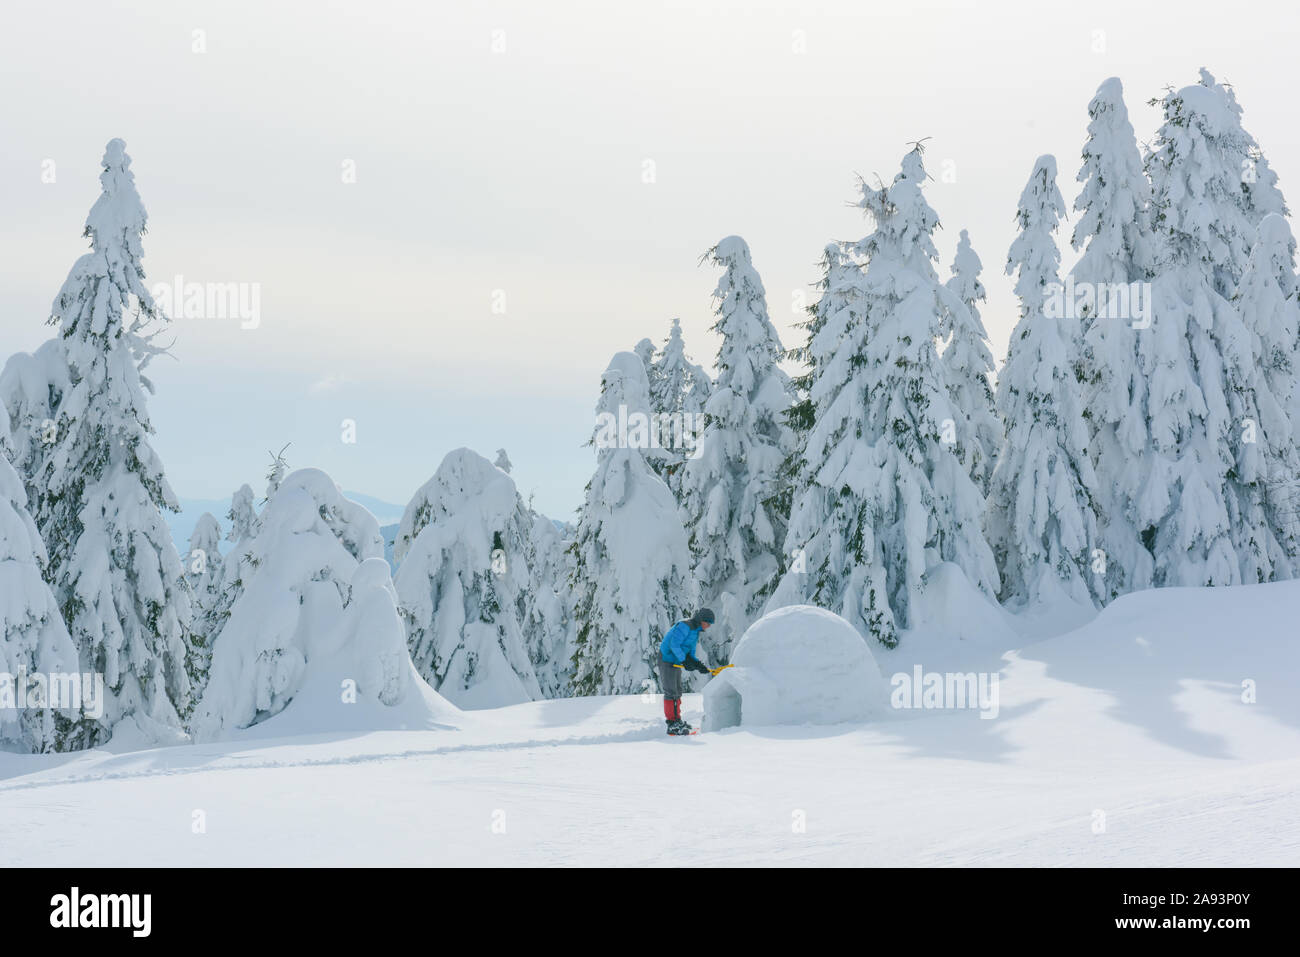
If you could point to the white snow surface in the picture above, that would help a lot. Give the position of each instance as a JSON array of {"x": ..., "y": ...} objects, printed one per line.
[
  {"x": 1140, "y": 715},
  {"x": 796, "y": 665}
]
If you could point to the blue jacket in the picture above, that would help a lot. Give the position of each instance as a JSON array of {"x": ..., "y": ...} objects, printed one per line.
[{"x": 679, "y": 643}]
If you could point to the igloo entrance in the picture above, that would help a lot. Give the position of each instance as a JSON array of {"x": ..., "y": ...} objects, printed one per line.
[{"x": 723, "y": 710}]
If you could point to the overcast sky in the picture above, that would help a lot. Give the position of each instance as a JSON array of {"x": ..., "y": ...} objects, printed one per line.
[{"x": 504, "y": 149}]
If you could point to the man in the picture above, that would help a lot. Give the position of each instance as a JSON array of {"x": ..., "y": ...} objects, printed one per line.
[{"x": 676, "y": 653}]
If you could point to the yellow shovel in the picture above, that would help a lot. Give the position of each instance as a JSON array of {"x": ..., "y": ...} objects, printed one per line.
[{"x": 712, "y": 671}]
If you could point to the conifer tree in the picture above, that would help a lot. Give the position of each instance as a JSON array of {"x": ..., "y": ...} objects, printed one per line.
[
  {"x": 204, "y": 565},
  {"x": 1180, "y": 491},
  {"x": 242, "y": 515},
  {"x": 729, "y": 487},
  {"x": 1042, "y": 522},
  {"x": 34, "y": 644},
  {"x": 630, "y": 563},
  {"x": 464, "y": 583},
  {"x": 967, "y": 364},
  {"x": 113, "y": 567},
  {"x": 679, "y": 390},
  {"x": 883, "y": 500},
  {"x": 302, "y": 597}
]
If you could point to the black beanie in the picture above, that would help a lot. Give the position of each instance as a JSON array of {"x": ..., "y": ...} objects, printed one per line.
[{"x": 704, "y": 614}]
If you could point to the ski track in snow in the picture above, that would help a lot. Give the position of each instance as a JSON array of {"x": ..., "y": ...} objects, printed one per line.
[{"x": 645, "y": 735}]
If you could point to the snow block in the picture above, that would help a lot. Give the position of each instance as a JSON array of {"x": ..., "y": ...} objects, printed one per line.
[{"x": 797, "y": 665}]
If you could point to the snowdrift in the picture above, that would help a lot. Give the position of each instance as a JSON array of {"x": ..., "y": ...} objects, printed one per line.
[
  {"x": 797, "y": 665},
  {"x": 1204, "y": 671},
  {"x": 319, "y": 709},
  {"x": 951, "y": 611}
]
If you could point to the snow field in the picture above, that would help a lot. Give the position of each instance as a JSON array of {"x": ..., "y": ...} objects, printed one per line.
[{"x": 1137, "y": 715}]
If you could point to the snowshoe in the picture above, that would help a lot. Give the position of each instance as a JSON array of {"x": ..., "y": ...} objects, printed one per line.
[{"x": 680, "y": 727}]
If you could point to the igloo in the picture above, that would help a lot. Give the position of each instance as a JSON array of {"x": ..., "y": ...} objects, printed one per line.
[{"x": 797, "y": 665}]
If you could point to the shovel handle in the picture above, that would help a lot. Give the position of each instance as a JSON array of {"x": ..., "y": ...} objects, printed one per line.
[{"x": 712, "y": 671}]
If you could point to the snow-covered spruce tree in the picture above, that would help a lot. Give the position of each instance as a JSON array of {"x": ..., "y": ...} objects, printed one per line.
[
  {"x": 113, "y": 566},
  {"x": 1264, "y": 198},
  {"x": 840, "y": 282},
  {"x": 223, "y": 591},
  {"x": 883, "y": 500},
  {"x": 203, "y": 563},
  {"x": 290, "y": 614},
  {"x": 645, "y": 351},
  {"x": 34, "y": 644},
  {"x": 1277, "y": 353},
  {"x": 1180, "y": 492},
  {"x": 503, "y": 461},
  {"x": 1113, "y": 227},
  {"x": 464, "y": 586},
  {"x": 841, "y": 288},
  {"x": 1115, "y": 357},
  {"x": 1261, "y": 395},
  {"x": 31, "y": 387},
  {"x": 1041, "y": 518},
  {"x": 242, "y": 515},
  {"x": 735, "y": 531},
  {"x": 967, "y": 364},
  {"x": 679, "y": 390},
  {"x": 1268, "y": 298},
  {"x": 1210, "y": 181},
  {"x": 276, "y": 472},
  {"x": 630, "y": 562},
  {"x": 549, "y": 627},
  {"x": 678, "y": 383},
  {"x": 1258, "y": 181},
  {"x": 697, "y": 394}
]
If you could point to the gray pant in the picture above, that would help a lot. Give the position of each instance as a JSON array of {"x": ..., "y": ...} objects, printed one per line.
[{"x": 670, "y": 678}]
